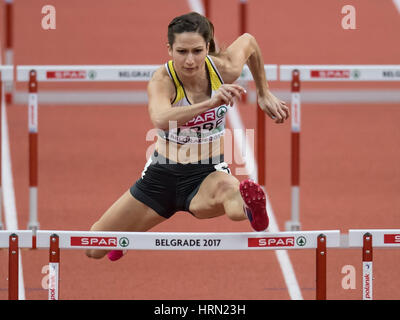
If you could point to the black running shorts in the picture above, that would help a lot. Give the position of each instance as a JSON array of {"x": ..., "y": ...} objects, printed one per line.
[{"x": 168, "y": 187}]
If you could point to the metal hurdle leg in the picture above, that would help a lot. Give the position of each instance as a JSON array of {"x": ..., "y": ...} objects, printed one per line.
[
  {"x": 321, "y": 267},
  {"x": 13, "y": 266},
  {"x": 54, "y": 268},
  {"x": 1, "y": 189},
  {"x": 367, "y": 266},
  {"x": 294, "y": 223},
  {"x": 33, "y": 223}
]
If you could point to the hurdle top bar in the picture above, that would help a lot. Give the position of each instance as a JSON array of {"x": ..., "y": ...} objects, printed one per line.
[
  {"x": 24, "y": 238},
  {"x": 342, "y": 72},
  {"x": 7, "y": 73},
  {"x": 383, "y": 238},
  {"x": 187, "y": 241},
  {"x": 98, "y": 73}
]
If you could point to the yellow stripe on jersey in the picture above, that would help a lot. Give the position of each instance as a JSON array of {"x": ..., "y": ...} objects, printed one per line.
[
  {"x": 214, "y": 78},
  {"x": 180, "y": 94}
]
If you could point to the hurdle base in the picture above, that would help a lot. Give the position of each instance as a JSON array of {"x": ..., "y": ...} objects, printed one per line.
[{"x": 292, "y": 225}]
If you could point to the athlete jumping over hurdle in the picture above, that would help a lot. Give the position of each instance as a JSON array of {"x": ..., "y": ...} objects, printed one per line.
[{"x": 188, "y": 100}]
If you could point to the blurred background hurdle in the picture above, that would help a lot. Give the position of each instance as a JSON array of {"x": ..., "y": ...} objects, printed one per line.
[
  {"x": 320, "y": 73},
  {"x": 8, "y": 47}
]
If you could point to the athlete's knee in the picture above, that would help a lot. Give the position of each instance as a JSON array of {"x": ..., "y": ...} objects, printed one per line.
[
  {"x": 92, "y": 253},
  {"x": 95, "y": 254},
  {"x": 226, "y": 189},
  {"x": 229, "y": 196}
]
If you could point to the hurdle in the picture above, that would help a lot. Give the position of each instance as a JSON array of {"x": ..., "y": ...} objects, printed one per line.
[
  {"x": 317, "y": 73},
  {"x": 367, "y": 239},
  {"x": 57, "y": 240},
  {"x": 319, "y": 240},
  {"x": 35, "y": 74},
  {"x": 14, "y": 240},
  {"x": 6, "y": 75}
]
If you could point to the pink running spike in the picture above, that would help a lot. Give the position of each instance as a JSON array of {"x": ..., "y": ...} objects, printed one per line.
[
  {"x": 114, "y": 255},
  {"x": 255, "y": 206}
]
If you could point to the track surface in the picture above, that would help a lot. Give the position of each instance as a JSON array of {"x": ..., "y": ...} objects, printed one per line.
[{"x": 89, "y": 155}]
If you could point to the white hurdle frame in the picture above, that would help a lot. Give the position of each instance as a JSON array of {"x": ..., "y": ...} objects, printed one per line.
[
  {"x": 317, "y": 73},
  {"x": 318, "y": 240},
  {"x": 367, "y": 239},
  {"x": 119, "y": 73}
]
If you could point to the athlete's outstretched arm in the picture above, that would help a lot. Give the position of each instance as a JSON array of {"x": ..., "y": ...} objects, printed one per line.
[{"x": 245, "y": 50}]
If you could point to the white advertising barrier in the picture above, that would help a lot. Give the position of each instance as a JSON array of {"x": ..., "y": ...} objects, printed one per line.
[
  {"x": 321, "y": 73},
  {"x": 96, "y": 73},
  {"x": 382, "y": 238},
  {"x": 188, "y": 241},
  {"x": 24, "y": 238}
]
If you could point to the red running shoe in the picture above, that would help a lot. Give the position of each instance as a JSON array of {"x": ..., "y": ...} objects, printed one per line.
[
  {"x": 255, "y": 208},
  {"x": 114, "y": 255}
]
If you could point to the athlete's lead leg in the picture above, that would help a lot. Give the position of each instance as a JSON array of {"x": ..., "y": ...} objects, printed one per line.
[
  {"x": 126, "y": 214},
  {"x": 221, "y": 193}
]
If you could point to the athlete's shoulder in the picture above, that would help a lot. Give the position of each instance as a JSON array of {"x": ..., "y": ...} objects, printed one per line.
[
  {"x": 161, "y": 82},
  {"x": 160, "y": 74},
  {"x": 230, "y": 61},
  {"x": 223, "y": 65}
]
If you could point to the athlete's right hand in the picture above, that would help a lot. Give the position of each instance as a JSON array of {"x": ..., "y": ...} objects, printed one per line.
[{"x": 227, "y": 94}]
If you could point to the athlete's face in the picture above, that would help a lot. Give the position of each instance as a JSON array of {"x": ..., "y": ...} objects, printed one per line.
[{"x": 188, "y": 53}]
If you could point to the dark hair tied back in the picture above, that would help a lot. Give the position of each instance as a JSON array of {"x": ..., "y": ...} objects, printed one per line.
[{"x": 192, "y": 22}]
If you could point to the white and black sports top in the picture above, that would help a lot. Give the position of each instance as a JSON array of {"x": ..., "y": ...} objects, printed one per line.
[{"x": 206, "y": 127}]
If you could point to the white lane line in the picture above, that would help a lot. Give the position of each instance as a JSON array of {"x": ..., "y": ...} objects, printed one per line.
[
  {"x": 397, "y": 5},
  {"x": 10, "y": 211},
  {"x": 196, "y": 5}
]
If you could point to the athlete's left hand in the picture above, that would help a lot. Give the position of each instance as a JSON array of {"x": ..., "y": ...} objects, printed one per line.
[{"x": 275, "y": 108}]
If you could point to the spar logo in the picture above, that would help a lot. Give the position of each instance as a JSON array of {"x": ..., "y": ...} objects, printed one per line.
[
  {"x": 94, "y": 241},
  {"x": 123, "y": 242},
  {"x": 331, "y": 74},
  {"x": 221, "y": 111},
  {"x": 391, "y": 238},
  {"x": 202, "y": 118},
  {"x": 301, "y": 241},
  {"x": 67, "y": 74},
  {"x": 336, "y": 74},
  {"x": 271, "y": 242}
]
